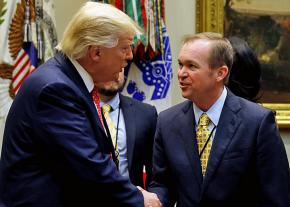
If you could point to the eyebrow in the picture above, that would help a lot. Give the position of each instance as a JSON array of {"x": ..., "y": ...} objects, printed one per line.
[{"x": 187, "y": 62}]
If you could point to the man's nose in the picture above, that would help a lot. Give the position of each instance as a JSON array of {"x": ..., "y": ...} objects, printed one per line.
[
  {"x": 182, "y": 72},
  {"x": 129, "y": 54}
]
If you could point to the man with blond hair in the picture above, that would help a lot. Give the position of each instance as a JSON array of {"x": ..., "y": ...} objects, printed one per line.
[{"x": 56, "y": 149}]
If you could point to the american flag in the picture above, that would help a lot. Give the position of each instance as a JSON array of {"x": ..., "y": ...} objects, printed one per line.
[{"x": 24, "y": 64}]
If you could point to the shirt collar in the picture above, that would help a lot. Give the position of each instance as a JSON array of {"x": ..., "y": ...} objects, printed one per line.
[
  {"x": 84, "y": 75},
  {"x": 214, "y": 112},
  {"x": 114, "y": 102}
]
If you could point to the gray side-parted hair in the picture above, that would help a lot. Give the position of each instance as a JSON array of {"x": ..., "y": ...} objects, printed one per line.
[
  {"x": 221, "y": 49},
  {"x": 95, "y": 24}
]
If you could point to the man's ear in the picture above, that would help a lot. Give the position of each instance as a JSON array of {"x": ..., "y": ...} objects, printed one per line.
[
  {"x": 222, "y": 73},
  {"x": 94, "y": 52}
]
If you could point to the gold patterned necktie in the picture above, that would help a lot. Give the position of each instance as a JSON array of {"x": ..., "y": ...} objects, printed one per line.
[
  {"x": 113, "y": 132},
  {"x": 202, "y": 136}
]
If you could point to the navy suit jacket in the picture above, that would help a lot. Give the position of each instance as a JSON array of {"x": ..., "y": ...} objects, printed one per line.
[
  {"x": 140, "y": 122},
  {"x": 247, "y": 166},
  {"x": 55, "y": 151}
]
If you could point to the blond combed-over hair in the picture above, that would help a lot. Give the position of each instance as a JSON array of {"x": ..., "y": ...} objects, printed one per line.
[{"x": 95, "y": 24}]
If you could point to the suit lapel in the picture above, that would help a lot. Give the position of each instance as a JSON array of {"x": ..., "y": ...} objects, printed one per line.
[
  {"x": 187, "y": 134},
  {"x": 130, "y": 121},
  {"x": 227, "y": 126},
  {"x": 69, "y": 69}
]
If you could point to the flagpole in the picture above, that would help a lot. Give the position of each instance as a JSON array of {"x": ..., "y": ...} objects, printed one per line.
[
  {"x": 27, "y": 25},
  {"x": 39, "y": 31}
]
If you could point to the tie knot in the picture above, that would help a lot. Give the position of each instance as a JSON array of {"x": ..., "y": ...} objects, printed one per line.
[
  {"x": 106, "y": 108},
  {"x": 204, "y": 120}
]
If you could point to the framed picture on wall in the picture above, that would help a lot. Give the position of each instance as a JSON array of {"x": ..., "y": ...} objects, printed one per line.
[{"x": 265, "y": 25}]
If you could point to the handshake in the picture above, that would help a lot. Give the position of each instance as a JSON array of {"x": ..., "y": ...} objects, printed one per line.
[{"x": 150, "y": 199}]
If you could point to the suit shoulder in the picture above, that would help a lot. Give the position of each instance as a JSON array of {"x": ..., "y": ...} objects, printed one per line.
[
  {"x": 137, "y": 104},
  {"x": 254, "y": 106},
  {"x": 46, "y": 73},
  {"x": 176, "y": 109},
  {"x": 252, "y": 109}
]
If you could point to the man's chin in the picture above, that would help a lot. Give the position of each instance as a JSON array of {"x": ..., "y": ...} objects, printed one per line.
[
  {"x": 108, "y": 92},
  {"x": 116, "y": 78},
  {"x": 184, "y": 94}
]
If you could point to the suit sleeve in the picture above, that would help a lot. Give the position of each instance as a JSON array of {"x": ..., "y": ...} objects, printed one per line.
[
  {"x": 272, "y": 165},
  {"x": 149, "y": 147},
  {"x": 66, "y": 133},
  {"x": 162, "y": 179}
]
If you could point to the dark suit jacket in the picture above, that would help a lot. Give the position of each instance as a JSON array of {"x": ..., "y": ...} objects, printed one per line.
[
  {"x": 55, "y": 152},
  {"x": 140, "y": 121},
  {"x": 247, "y": 166}
]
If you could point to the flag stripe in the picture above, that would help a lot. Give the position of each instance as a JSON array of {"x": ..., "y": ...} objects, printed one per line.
[
  {"x": 19, "y": 79},
  {"x": 23, "y": 75},
  {"x": 119, "y": 4},
  {"x": 19, "y": 60},
  {"x": 20, "y": 83},
  {"x": 135, "y": 11},
  {"x": 144, "y": 18},
  {"x": 20, "y": 70},
  {"x": 159, "y": 20}
]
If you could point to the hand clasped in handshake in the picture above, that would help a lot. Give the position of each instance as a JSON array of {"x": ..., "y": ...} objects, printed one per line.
[{"x": 150, "y": 199}]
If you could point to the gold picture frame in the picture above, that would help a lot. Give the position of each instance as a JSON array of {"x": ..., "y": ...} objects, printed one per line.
[{"x": 210, "y": 18}]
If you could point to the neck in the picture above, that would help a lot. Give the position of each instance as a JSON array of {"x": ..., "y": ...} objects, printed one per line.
[
  {"x": 205, "y": 101},
  {"x": 106, "y": 98}
]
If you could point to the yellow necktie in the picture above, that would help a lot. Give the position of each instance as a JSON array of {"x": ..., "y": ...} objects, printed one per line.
[
  {"x": 202, "y": 135},
  {"x": 113, "y": 132}
]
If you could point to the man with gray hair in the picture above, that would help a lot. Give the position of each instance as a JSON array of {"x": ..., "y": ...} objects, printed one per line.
[
  {"x": 57, "y": 150},
  {"x": 217, "y": 149}
]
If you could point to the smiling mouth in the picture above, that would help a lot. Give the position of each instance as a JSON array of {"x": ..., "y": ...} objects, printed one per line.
[{"x": 182, "y": 84}]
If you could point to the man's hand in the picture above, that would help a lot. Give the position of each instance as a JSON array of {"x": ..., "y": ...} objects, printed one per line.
[{"x": 150, "y": 199}]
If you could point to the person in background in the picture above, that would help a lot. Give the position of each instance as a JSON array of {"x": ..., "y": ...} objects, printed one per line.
[
  {"x": 245, "y": 76},
  {"x": 217, "y": 149},
  {"x": 132, "y": 130},
  {"x": 56, "y": 151}
]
